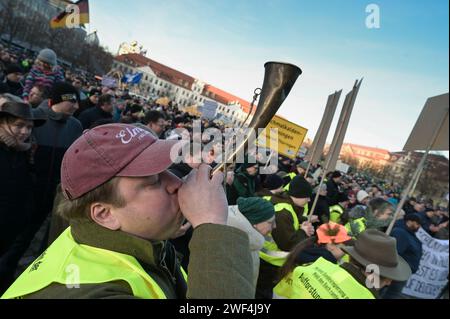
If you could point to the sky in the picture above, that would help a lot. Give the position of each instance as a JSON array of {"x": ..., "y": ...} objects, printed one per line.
[{"x": 226, "y": 43}]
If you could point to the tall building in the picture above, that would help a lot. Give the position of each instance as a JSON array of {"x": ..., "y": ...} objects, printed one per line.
[{"x": 160, "y": 80}]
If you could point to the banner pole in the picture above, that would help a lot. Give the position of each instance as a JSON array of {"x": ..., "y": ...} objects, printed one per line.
[{"x": 416, "y": 174}]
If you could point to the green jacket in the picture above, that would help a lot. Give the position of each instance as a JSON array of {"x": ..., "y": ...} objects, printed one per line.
[
  {"x": 226, "y": 273},
  {"x": 243, "y": 185}
]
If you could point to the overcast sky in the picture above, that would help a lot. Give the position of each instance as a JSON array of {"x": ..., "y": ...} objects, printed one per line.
[{"x": 226, "y": 43}]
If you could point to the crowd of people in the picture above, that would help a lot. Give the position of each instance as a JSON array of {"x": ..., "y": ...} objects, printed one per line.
[{"x": 106, "y": 203}]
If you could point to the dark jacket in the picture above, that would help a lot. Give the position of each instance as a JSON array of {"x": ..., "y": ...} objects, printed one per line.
[
  {"x": 90, "y": 116},
  {"x": 285, "y": 236},
  {"x": 332, "y": 192},
  {"x": 83, "y": 106},
  {"x": 226, "y": 273},
  {"x": 243, "y": 185},
  {"x": 53, "y": 139},
  {"x": 11, "y": 87},
  {"x": 16, "y": 208},
  {"x": 322, "y": 209},
  {"x": 408, "y": 245}
]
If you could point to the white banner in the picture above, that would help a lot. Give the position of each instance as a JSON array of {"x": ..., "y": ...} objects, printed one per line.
[{"x": 431, "y": 277}]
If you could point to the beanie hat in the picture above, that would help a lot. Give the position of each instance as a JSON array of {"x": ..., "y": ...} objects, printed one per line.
[
  {"x": 14, "y": 68},
  {"x": 342, "y": 197},
  {"x": 249, "y": 161},
  {"x": 63, "y": 91},
  {"x": 273, "y": 182},
  {"x": 336, "y": 174},
  {"x": 300, "y": 188},
  {"x": 47, "y": 56},
  {"x": 361, "y": 196},
  {"x": 302, "y": 164},
  {"x": 255, "y": 209}
]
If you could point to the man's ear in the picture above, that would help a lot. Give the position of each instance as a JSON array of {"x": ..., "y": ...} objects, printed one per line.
[{"x": 101, "y": 214}]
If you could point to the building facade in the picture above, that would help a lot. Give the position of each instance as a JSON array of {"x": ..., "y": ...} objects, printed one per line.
[{"x": 162, "y": 81}]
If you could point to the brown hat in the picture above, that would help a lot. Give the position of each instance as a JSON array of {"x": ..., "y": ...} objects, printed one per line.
[
  {"x": 113, "y": 150},
  {"x": 14, "y": 106},
  {"x": 377, "y": 248}
]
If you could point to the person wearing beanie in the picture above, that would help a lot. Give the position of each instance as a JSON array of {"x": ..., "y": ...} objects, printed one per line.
[
  {"x": 363, "y": 197},
  {"x": 259, "y": 212},
  {"x": 12, "y": 83},
  {"x": 336, "y": 211},
  {"x": 53, "y": 139},
  {"x": 245, "y": 182},
  {"x": 255, "y": 217},
  {"x": 333, "y": 184},
  {"x": 45, "y": 71},
  {"x": 273, "y": 185},
  {"x": 292, "y": 227},
  {"x": 90, "y": 102},
  {"x": 300, "y": 169}
]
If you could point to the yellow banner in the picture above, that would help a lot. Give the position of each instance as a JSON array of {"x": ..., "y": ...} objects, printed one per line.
[{"x": 289, "y": 140}]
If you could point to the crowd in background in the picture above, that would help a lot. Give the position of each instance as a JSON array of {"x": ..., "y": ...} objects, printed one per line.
[{"x": 65, "y": 102}]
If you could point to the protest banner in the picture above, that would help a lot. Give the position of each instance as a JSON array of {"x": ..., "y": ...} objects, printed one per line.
[
  {"x": 432, "y": 275},
  {"x": 290, "y": 136}
]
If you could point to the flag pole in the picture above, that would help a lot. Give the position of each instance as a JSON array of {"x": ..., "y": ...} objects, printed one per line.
[
  {"x": 416, "y": 174},
  {"x": 330, "y": 155}
]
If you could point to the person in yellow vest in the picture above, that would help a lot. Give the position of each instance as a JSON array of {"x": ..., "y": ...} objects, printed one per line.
[
  {"x": 292, "y": 227},
  {"x": 300, "y": 170},
  {"x": 272, "y": 185},
  {"x": 377, "y": 215},
  {"x": 123, "y": 205},
  {"x": 327, "y": 243},
  {"x": 336, "y": 211},
  {"x": 374, "y": 264}
]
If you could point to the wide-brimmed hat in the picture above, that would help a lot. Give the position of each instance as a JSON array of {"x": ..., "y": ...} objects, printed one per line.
[
  {"x": 376, "y": 248},
  {"x": 11, "y": 105}
]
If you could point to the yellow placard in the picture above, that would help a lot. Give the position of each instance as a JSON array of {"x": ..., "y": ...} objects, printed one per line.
[{"x": 290, "y": 137}]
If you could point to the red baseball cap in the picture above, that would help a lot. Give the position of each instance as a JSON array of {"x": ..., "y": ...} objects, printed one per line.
[{"x": 113, "y": 150}]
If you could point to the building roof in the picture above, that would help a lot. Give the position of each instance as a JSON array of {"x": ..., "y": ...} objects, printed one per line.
[
  {"x": 161, "y": 70},
  {"x": 181, "y": 79},
  {"x": 368, "y": 148},
  {"x": 224, "y": 97}
]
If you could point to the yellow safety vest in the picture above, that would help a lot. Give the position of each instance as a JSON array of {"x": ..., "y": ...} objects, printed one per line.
[
  {"x": 291, "y": 176},
  {"x": 320, "y": 280},
  {"x": 68, "y": 263},
  {"x": 336, "y": 212},
  {"x": 270, "y": 251},
  {"x": 355, "y": 227},
  {"x": 267, "y": 198}
]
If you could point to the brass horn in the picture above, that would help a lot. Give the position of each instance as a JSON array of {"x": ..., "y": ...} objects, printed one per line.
[{"x": 279, "y": 79}]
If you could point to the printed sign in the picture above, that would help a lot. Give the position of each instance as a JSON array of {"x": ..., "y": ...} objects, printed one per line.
[
  {"x": 430, "y": 279},
  {"x": 290, "y": 137}
]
